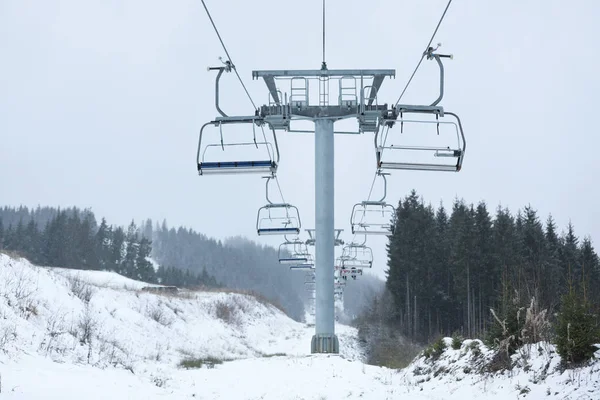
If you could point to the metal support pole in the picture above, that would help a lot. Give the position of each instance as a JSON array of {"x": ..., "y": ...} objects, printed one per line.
[{"x": 324, "y": 340}]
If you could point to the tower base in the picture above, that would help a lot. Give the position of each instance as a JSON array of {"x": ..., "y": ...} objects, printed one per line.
[{"x": 325, "y": 344}]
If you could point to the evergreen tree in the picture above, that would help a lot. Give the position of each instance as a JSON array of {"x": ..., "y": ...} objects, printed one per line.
[
  {"x": 144, "y": 270},
  {"x": 462, "y": 234},
  {"x": 55, "y": 241},
  {"x": 102, "y": 242},
  {"x": 570, "y": 257},
  {"x": 554, "y": 278},
  {"x": 1, "y": 234},
  {"x": 590, "y": 265},
  {"x": 32, "y": 242},
  {"x": 131, "y": 250},
  {"x": 87, "y": 257},
  {"x": 484, "y": 287},
  {"x": 577, "y": 329},
  {"x": 533, "y": 248},
  {"x": 116, "y": 256}
]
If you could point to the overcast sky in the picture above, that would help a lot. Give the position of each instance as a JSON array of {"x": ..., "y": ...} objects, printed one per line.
[{"x": 101, "y": 103}]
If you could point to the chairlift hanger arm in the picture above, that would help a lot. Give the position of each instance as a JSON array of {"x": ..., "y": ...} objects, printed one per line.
[
  {"x": 226, "y": 68},
  {"x": 430, "y": 54}
]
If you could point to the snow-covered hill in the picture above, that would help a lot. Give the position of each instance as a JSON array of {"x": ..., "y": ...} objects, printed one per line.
[{"x": 70, "y": 334}]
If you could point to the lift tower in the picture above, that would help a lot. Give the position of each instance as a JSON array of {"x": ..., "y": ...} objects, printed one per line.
[{"x": 356, "y": 98}]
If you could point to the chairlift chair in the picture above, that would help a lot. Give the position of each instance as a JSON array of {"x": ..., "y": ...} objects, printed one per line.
[
  {"x": 302, "y": 267},
  {"x": 225, "y": 151},
  {"x": 423, "y": 144},
  {"x": 355, "y": 255},
  {"x": 372, "y": 218},
  {"x": 293, "y": 252},
  {"x": 277, "y": 218}
]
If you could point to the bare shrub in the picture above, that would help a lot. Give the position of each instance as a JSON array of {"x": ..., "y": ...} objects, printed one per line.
[
  {"x": 18, "y": 284},
  {"x": 209, "y": 362},
  {"x": 157, "y": 313},
  {"x": 18, "y": 288},
  {"x": 111, "y": 351},
  {"x": 225, "y": 312},
  {"x": 80, "y": 288},
  {"x": 536, "y": 326},
  {"x": 55, "y": 328},
  {"x": 258, "y": 296},
  {"x": 7, "y": 333},
  {"x": 87, "y": 326}
]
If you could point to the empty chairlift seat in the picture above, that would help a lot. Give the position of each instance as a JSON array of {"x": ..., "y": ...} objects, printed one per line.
[
  {"x": 356, "y": 256},
  {"x": 372, "y": 218},
  {"x": 231, "y": 145},
  {"x": 432, "y": 142},
  {"x": 294, "y": 252},
  {"x": 278, "y": 219}
]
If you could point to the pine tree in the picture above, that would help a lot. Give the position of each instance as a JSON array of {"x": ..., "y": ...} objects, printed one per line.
[
  {"x": 144, "y": 270},
  {"x": 462, "y": 237},
  {"x": 102, "y": 245},
  {"x": 2, "y": 234},
  {"x": 533, "y": 253},
  {"x": 86, "y": 243},
  {"x": 131, "y": 251},
  {"x": 554, "y": 277},
  {"x": 55, "y": 241},
  {"x": 485, "y": 286},
  {"x": 577, "y": 329},
  {"x": 590, "y": 270},
  {"x": 117, "y": 242}
]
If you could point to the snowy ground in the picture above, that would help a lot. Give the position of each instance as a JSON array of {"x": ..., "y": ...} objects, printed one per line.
[{"x": 69, "y": 334}]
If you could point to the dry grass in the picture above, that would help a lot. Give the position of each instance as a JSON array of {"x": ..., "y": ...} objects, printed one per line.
[{"x": 258, "y": 296}]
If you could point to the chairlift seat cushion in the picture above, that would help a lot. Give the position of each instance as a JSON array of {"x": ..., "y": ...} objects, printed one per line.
[
  {"x": 237, "y": 164},
  {"x": 277, "y": 231}
]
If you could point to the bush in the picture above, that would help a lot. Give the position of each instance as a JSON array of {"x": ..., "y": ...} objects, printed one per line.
[
  {"x": 190, "y": 363},
  {"x": 436, "y": 349},
  {"x": 508, "y": 323},
  {"x": 577, "y": 329},
  {"x": 457, "y": 340}
]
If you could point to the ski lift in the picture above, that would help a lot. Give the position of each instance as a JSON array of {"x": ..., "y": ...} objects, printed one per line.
[
  {"x": 228, "y": 151},
  {"x": 293, "y": 252},
  {"x": 356, "y": 255},
  {"x": 444, "y": 141},
  {"x": 433, "y": 142},
  {"x": 302, "y": 267},
  {"x": 277, "y": 218},
  {"x": 373, "y": 217}
]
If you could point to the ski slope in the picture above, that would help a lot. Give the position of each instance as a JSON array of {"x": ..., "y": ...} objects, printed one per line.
[{"x": 70, "y": 334}]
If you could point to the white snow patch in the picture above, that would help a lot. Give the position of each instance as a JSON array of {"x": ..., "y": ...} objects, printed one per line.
[{"x": 69, "y": 334}]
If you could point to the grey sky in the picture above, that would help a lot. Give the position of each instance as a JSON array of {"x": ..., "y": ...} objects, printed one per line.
[{"x": 101, "y": 102}]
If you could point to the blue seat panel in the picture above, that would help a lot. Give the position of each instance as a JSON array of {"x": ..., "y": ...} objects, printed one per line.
[
  {"x": 236, "y": 164},
  {"x": 293, "y": 260},
  {"x": 277, "y": 230}
]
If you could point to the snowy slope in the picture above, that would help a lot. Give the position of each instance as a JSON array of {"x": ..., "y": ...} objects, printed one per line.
[{"x": 69, "y": 334}]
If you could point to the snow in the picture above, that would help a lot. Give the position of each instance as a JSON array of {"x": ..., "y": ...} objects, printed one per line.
[{"x": 73, "y": 334}]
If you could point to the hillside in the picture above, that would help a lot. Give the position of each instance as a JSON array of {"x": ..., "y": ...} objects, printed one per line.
[{"x": 73, "y": 334}]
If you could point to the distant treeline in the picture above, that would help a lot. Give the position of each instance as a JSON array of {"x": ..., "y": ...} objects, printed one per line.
[
  {"x": 237, "y": 263},
  {"x": 447, "y": 270},
  {"x": 71, "y": 238}
]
